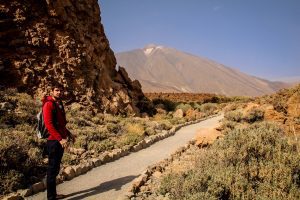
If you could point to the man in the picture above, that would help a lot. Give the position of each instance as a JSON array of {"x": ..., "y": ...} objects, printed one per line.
[{"x": 55, "y": 122}]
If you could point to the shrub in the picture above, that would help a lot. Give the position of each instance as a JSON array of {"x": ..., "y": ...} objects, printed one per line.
[
  {"x": 149, "y": 131},
  {"x": 251, "y": 163},
  {"x": 113, "y": 128},
  {"x": 134, "y": 128},
  {"x": 208, "y": 108},
  {"x": 169, "y": 105},
  {"x": 129, "y": 139},
  {"x": 235, "y": 116},
  {"x": 164, "y": 125},
  {"x": 97, "y": 120},
  {"x": 254, "y": 115},
  {"x": 11, "y": 181},
  {"x": 79, "y": 122},
  {"x": 280, "y": 106},
  {"x": 227, "y": 126},
  {"x": 19, "y": 161},
  {"x": 100, "y": 146},
  {"x": 69, "y": 159},
  {"x": 23, "y": 110},
  {"x": 81, "y": 141},
  {"x": 184, "y": 106}
]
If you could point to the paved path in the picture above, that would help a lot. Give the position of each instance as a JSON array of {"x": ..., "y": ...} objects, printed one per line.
[{"x": 112, "y": 180}]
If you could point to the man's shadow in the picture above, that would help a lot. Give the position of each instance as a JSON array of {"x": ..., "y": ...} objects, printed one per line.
[{"x": 115, "y": 184}]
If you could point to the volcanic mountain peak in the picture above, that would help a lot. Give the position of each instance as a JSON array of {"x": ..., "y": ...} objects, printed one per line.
[
  {"x": 151, "y": 48},
  {"x": 164, "y": 69}
]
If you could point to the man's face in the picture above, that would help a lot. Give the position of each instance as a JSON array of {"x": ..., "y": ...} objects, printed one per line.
[{"x": 57, "y": 93}]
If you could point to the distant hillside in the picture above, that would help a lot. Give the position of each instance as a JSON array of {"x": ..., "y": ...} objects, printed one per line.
[
  {"x": 290, "y": 79},
  {"x": 163, "y": 69}
]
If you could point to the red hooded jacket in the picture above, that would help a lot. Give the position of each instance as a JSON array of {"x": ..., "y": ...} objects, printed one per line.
[{"x": 57, "y": 129}]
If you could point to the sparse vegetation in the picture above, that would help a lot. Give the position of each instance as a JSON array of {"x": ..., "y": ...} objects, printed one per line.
[
  {"x": 254, "y": 159},
  {"x": 22, "y": 154},
  {"x": 252, "y": 163}
]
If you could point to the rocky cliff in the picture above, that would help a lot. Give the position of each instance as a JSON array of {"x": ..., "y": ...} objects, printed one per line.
[{"x": 46, "y": 40}]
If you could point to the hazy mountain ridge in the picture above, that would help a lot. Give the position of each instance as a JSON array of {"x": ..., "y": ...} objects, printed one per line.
[{"x": 163, "y": 69}]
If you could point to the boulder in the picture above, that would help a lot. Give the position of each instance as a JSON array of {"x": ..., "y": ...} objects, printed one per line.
[
  {"x": 38, "y": 187},
  {"x": 69, "y": 173}
]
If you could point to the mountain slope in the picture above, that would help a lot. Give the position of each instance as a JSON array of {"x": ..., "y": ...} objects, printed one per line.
[{"x": 163, "y": 69}]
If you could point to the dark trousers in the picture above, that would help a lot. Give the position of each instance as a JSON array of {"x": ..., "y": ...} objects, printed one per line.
[{"x": 55, "y": 153}]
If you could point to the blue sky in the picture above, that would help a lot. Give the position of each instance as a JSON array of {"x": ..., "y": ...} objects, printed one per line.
[{"x": 258, "y": 37}]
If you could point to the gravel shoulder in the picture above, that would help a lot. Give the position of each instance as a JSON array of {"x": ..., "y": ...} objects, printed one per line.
[{"x": 112, "y": 180}]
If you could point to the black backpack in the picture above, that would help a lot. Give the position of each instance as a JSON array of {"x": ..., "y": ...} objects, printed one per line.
[{"x": 41, "y": 130}]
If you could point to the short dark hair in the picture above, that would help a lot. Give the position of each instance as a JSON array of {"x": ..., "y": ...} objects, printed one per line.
[{"x": 56, "y": 85}]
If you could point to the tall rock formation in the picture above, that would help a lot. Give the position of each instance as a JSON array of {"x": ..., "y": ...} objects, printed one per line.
[{"x": 64, "y": 40}]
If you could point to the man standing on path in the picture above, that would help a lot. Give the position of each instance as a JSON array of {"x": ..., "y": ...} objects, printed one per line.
[{"x": 59, "y": 136}]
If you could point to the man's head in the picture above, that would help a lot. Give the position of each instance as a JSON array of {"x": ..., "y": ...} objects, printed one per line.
[{"x": 57, "y": 91}]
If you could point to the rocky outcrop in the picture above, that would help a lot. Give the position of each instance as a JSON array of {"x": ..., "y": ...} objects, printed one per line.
[{"x": 64, "y": 40}]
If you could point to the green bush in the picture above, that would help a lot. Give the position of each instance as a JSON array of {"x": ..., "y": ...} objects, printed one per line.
[
  {"x": 100, "y": 146},
  {"x": 254, "y": 115},
  {"x": 280, "y": 106},
  {"x": 169, "y": 105},
  {"x": 228, "y": 126},
  {"x": 129, "y": 139},
  {"x": 20, "y": 159},
  {"x": 184, "y": 106},
  {"x": 208, "y": 108},
  {"x": 164, "y": 125},
  {"x": 69, "y": 159},
  {"x": 251, "y": 163},
  {"x": 235, "y": 116},
  {"x": 113, "y": 128}
]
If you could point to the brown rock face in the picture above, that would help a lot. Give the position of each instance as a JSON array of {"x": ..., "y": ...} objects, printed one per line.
[{"x": 63, "y": 40}]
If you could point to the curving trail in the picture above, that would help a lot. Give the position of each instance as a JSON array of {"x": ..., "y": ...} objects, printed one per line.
[{"x": 112, "y": 180}]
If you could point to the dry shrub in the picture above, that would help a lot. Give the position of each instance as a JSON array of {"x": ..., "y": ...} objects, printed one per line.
[
  {"x": 159, "y": 117},
  {"x": 235, "y": 116},
  {"x": 101, "y": 146},
  {"x": 130, "y": 139},
  {"x": 168, "y": 105},
  {"x": 20, "y": 160},
  {"x": 184, "y": 107},
  {"x": 254, "y": 115},
  {"x": 252, "y": 163},
  {"x": 70, "y": 159},
  {"x": 132, "y": 133},
  {"x": 228, "y": 126},
  {"x": 208, "y": 108},
  {"x": 23, "y": 108},
  {"x": 134, "y": 128},
  {"x": 113, "y": 128}
]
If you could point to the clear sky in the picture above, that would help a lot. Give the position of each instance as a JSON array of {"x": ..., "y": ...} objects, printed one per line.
[{"x": 258, "y": 37}]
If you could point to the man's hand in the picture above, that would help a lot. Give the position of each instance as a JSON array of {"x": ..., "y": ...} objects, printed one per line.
[{"x": 64, "y": 143}]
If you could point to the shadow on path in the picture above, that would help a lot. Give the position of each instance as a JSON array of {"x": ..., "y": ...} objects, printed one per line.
[{"x": 115, "y": 184}]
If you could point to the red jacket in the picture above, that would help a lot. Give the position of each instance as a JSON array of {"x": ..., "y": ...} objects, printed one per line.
[{"x": 57, "y": 129}]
